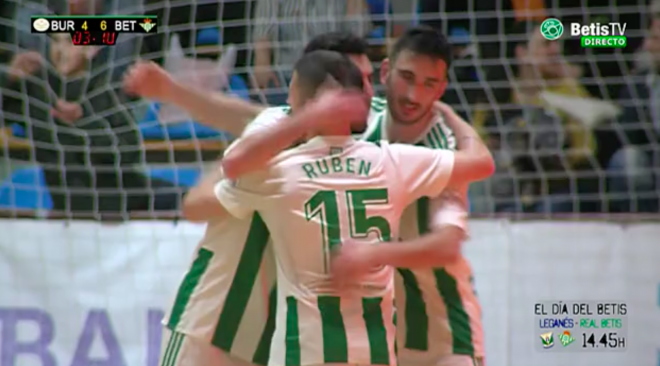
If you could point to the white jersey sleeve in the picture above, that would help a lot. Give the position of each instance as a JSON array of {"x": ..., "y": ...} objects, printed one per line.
[
  {"x": 242, "y": 199},
  {"x": 448, "y": 209},
  {"x": 266, "y": 119},
  {"x": 244, "y": 196},
  {"x": 421, "y": 171}
]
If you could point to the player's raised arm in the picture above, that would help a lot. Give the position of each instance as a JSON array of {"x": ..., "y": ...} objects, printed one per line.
[
  {"x": 217, "y": 110},
  {"x": 473, "y": 161},
  {"x": 336, "y": 108},
  {"x": 427, "y": 172}
]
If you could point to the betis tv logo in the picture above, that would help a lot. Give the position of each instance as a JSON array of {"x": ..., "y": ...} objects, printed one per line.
[
  {"x": 547, "y": 340},
  {"x": 147, "y": 25}
]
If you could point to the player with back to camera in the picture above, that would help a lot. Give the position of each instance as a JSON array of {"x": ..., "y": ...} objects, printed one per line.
[
  {"x": 325, "y": 192},
  {"x": 222, "y": 312},
  {"x": 211, "y": 319}
]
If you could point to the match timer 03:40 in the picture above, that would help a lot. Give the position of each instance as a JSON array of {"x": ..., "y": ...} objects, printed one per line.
[{"x": 99, "y": 30}]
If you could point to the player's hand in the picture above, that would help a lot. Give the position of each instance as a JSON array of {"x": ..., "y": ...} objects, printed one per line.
[
  {"x": 67, "y": 111},
  {"x": 452, "y": 119},
  {"x": 24, "y": 64},
  {"x": 148, "y": 80},
  {"x": 265, "y": 77},
  {"x": 351, "y": 261}
]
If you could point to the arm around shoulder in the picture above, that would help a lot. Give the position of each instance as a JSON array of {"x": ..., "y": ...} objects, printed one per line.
[
  {"x": 471, "y": 167},
  {"x": 421, "y": 171}
]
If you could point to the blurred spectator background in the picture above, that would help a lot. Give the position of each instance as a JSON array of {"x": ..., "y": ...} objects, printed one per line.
[{"x": 573, "y": 130}]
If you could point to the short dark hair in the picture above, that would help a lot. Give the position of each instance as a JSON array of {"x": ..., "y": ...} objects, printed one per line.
[
  {"x": 314, "y": 68},
  {"x": 424, "y": 40},
  {"x": 343, "y": 42}
]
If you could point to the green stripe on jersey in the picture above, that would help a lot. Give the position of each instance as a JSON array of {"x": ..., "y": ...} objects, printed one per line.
[
  {"x": 242, "y": 284},
  {"x": 262, "y": 354},
  {"x": 292, "y": 335},
  {"x": 335, "y": 341},
  {"x": 172, "y": 349},
  {"x": 190, "y": 282},
  {"x": 417, "y": 336},
  {"x": 459, "y": 321},
  {"x": 335, "y": 338},
  {"x": 377, "y": 133},
  {"x": 378, "y": 104},
  {"x": 376, "y": 332}
]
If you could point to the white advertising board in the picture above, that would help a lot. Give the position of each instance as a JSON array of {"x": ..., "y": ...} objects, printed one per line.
[{"x": 83, "y": 293}]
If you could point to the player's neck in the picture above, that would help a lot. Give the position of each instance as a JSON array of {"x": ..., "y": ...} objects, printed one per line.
[{"x": 408, "y": 133}]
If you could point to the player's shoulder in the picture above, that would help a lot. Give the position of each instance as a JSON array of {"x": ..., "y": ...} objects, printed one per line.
[
  {"x": 403, "y": 153},
  {"x": 274, "y": 112},
  {"x": 267, "y": 117},
  {"x": 439, "y": 135}
]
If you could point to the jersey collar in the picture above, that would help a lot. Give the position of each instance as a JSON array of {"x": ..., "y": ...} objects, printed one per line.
[
  {"x": 330, "y": 141},
  {"x": 385, "y": 121}
]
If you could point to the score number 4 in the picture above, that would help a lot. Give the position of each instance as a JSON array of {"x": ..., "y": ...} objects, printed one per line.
[{"x": 324, "y": 205}]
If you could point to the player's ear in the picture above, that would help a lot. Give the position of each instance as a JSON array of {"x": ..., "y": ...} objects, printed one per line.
[
  {"x": 384, "y": 70},
  {"x": 442, "y": 88},
  {"x": 329, "y": 83}
]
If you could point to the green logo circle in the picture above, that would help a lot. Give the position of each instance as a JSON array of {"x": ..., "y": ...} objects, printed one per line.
[{"x": 552, "y": 29}]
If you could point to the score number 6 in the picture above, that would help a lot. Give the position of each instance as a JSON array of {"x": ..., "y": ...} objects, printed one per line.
[{"x": 104, "y": 25}]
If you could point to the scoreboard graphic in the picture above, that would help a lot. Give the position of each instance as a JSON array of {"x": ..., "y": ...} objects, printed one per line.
[{"x": 99, "y": 30}]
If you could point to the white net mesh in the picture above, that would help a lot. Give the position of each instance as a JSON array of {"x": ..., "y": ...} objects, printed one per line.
[{"x": 122, "y": 155}]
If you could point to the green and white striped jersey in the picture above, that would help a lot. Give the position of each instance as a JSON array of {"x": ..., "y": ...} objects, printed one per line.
[
  {"x": 224, "y": 296},
  {"x": 227, "y": 297},
  {"x": 328, "y": 191},
  {"x": 438, "y": 313}
]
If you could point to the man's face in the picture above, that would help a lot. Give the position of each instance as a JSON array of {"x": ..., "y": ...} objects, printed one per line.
[
  {"x": 413, "y": 83},
  {"x": 542, "y": 54},
  {"x": 652, "y": 42},
  {"x": 363, "y": 63}
]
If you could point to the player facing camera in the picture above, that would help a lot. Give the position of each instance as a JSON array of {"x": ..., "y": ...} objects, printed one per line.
[{"x": 325, "y": 79}]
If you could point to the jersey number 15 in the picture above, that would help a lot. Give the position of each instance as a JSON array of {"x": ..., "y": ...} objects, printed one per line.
[{"x": 324, "y": 205}]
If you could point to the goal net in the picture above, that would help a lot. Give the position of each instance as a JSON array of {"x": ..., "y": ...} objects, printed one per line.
[{"x": 572, "y": 129}]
